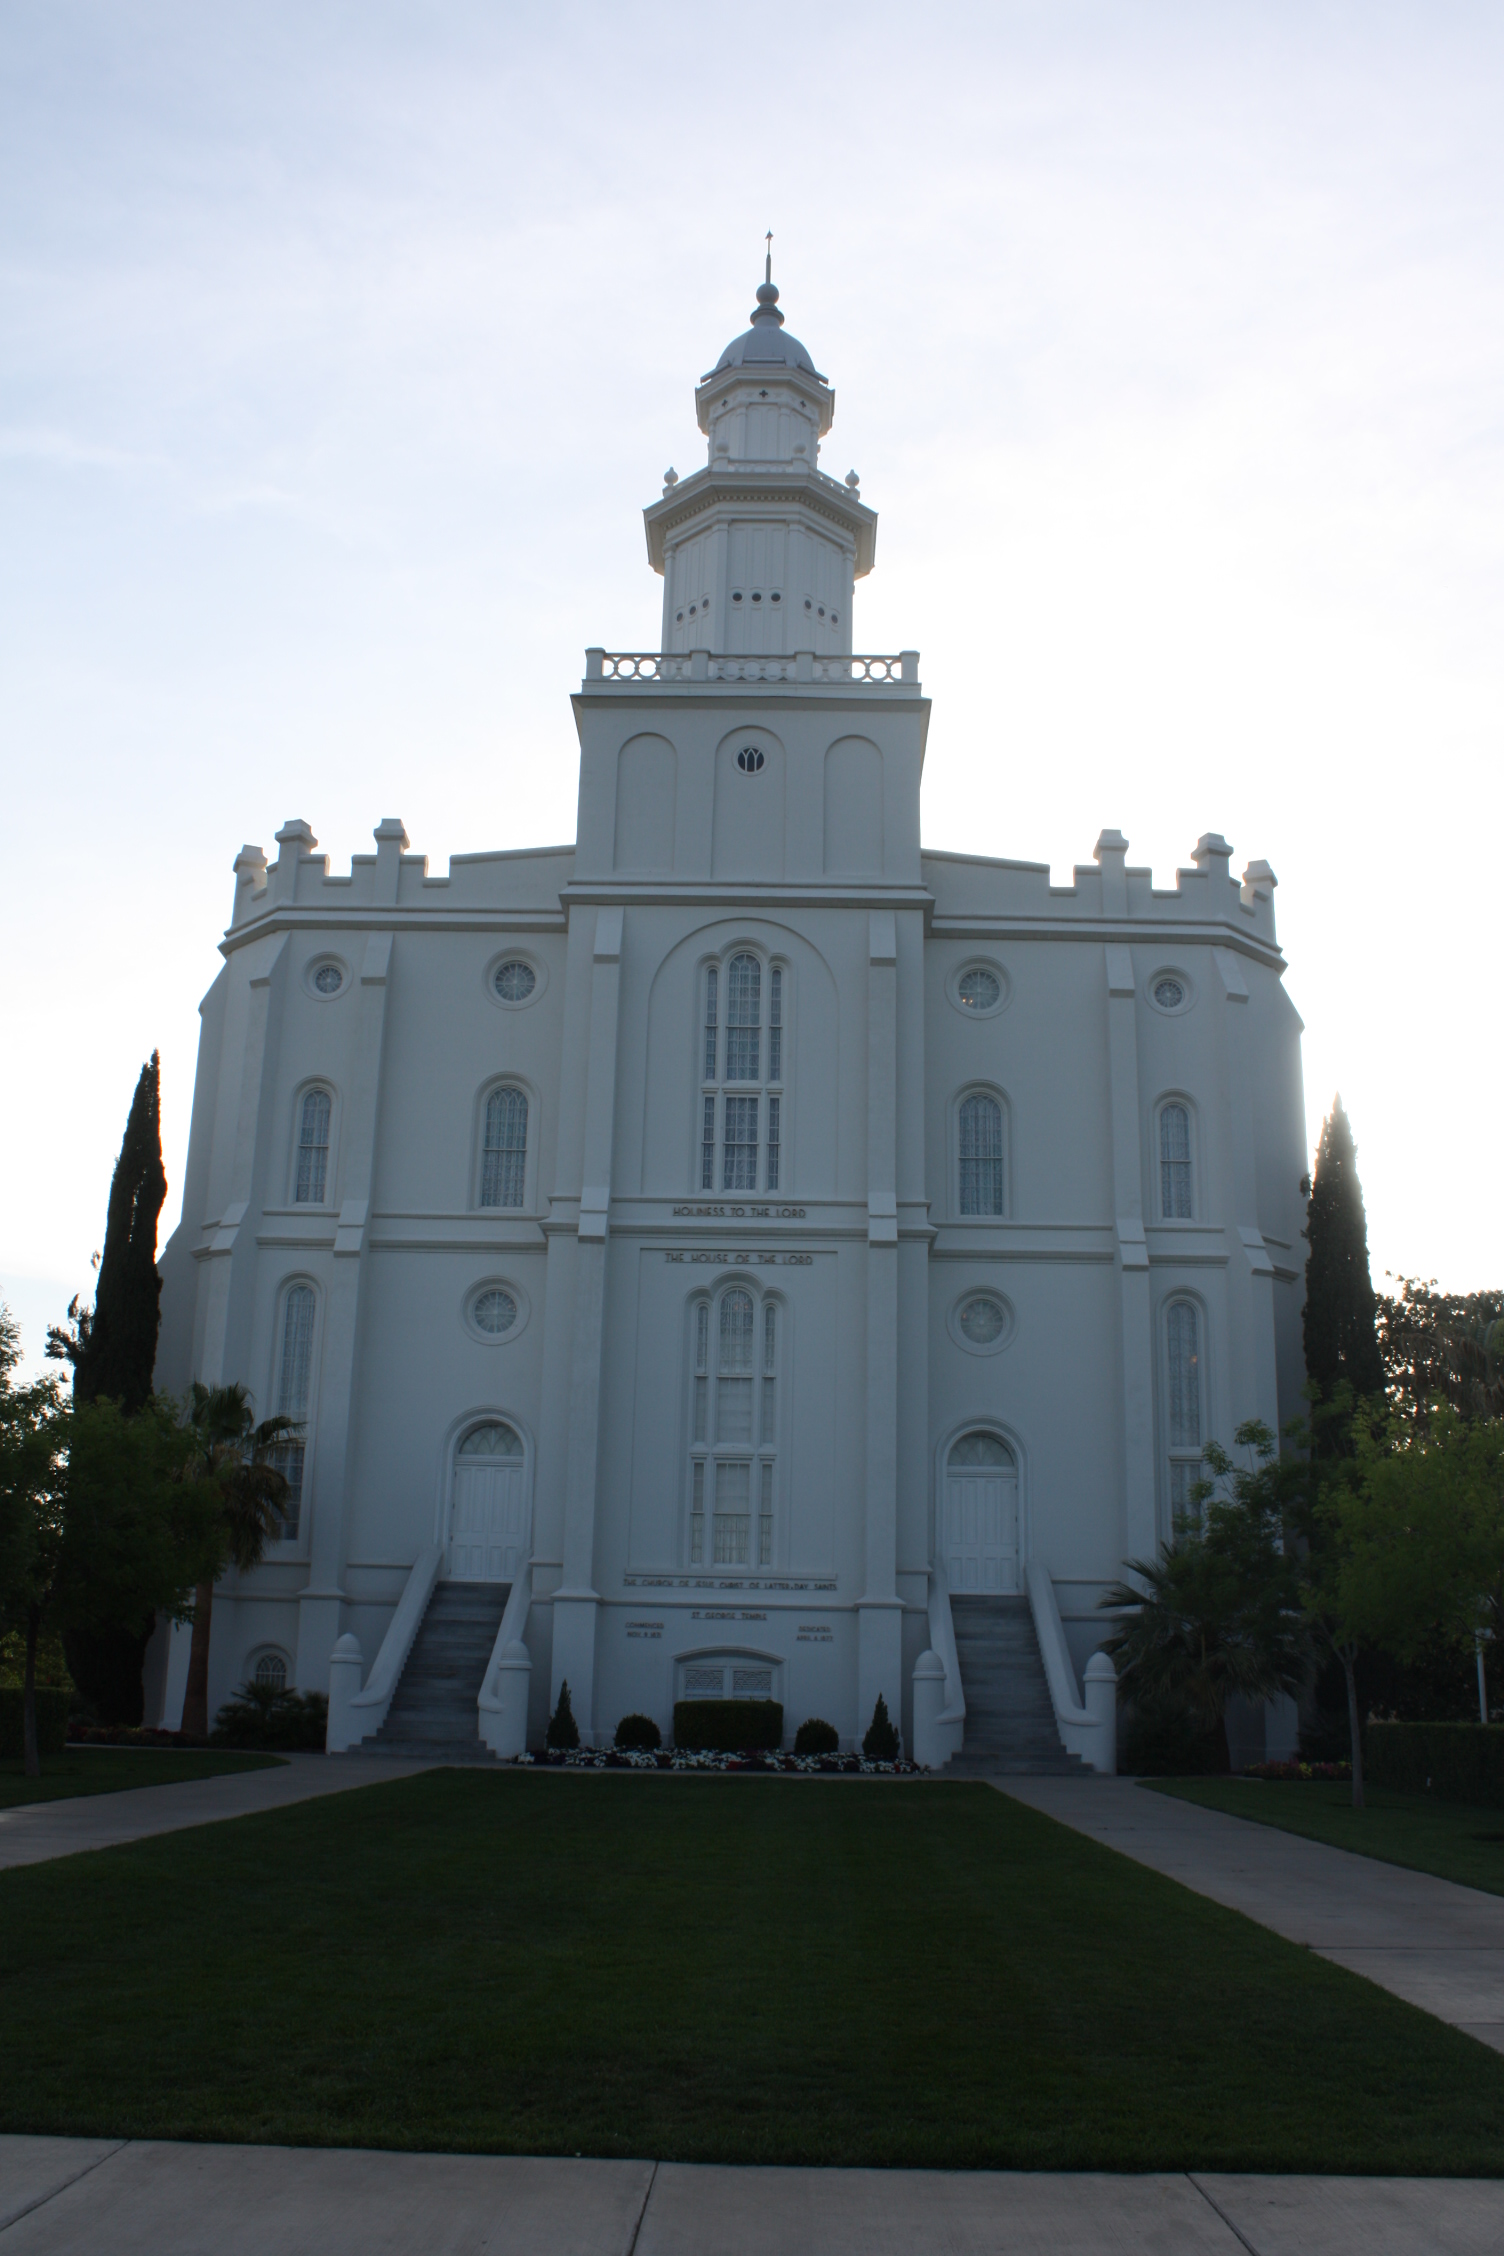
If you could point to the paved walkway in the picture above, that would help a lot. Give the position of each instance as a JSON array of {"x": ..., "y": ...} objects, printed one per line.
[
  {"x": 39, "y": 1830},
  {"x": 1431, "y": 1942},
  {"x": 75, "y": 2197}
]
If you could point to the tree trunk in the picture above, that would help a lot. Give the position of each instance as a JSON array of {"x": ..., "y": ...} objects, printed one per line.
[
  {"x": 30, "y": 1761},
  {"x": 196, "y": 1697},
  {"x": 1354, "y": 1726}
]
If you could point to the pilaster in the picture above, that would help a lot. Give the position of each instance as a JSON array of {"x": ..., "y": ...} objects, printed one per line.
[
  {"x": 333, "y": 1455},
  {"x": 576, "y": 1600},
  {"x": 228, "y": 1256},
  {"x": 879, "y": 1608},
  {"x": 1135, "y": 1319},
  {"x": 1250, "y": 1271}
]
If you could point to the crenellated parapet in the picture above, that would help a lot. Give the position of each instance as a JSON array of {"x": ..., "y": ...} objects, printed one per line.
[
  {"x": 972, "y": 892},
  {"x": 519, "y": 884}
]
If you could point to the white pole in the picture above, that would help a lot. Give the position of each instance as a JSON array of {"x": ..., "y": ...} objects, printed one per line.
[{"x": 1482, "y": 1680}]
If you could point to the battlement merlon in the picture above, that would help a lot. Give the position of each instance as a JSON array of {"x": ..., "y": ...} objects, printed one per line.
[{"x": 972, "y": 891}]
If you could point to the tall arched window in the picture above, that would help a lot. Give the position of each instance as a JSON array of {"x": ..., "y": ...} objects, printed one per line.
[
  {"x": 741, "y": 1092},
  {"x": 294, "y": 1379},
  {"x": 313, "y": 1148},
  {"x": 733, "y": 1431},
  {"x": 1183, "y": 1400},
  {"x": 981, "y": 1155},
  {"x": 503, "y": 1171},
  {"x": 1175, "y": 1163}
]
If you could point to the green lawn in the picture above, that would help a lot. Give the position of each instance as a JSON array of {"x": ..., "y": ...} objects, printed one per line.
[
  {"x": 106, "y": 1770},
  {"x": 705, "y": 1969},
  {"x": 1453, "y": 1839}
]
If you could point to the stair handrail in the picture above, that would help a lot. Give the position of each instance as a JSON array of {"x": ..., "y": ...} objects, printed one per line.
[
  {"x": 1091, "y": 1735},
  {"x": 375, "y": 1698},
  {"x": 490, "y": 1700},
  {"x": 943, "y": 1642}
]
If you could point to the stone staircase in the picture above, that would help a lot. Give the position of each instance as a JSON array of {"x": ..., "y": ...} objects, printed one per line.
[
  {"x": 1010, "y": 1717},
  {"x": 433, "y": 1712}
]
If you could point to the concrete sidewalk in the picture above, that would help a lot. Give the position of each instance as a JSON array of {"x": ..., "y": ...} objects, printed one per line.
[
  {"x": 39, "y": 1830},
  {"x": 1429, "y": 1941},
  {"x": 76, "y": 2197}
]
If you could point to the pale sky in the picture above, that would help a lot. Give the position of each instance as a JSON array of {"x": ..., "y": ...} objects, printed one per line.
[{"x": 341, "y": 346}]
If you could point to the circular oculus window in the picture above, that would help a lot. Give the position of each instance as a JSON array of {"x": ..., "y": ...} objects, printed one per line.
[
  {"x": 979, "y": 989},
  {"x": 327, "y": 978},
  {"x": 1170, "y": 992},
  {"x": 750, "y": 759},
  {"x": 494, "y": 1311},
  {"x": 514, "y": 981},
  {"x": 982, "y": 1322}
]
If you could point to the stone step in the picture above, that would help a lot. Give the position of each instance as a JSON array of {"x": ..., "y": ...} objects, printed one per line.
[
  {"x": 1010, "y": 1717},
  {"x": 433, "y": 1710}
]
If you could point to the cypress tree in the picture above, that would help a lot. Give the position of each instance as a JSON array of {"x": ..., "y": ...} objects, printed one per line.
[
  {"x": 122, "y": 1346},
  {"x": 1341, "y": 1333},
  {"x": 113, "y": 1351}
]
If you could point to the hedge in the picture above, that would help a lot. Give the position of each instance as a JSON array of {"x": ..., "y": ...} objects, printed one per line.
[
  {"x": 52, "y": 1720},
  {"x": 726, "y": 1727},
  {"x": 1457, "y": 1762}
]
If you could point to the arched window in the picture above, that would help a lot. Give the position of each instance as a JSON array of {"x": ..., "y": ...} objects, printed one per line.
[
  {"x": 313, "y": 1148},
  {"x": 741, "y": 1092},
  {"x": 981, "y": 1155},
  {"x": 1174, "y": 1163},
  {"x": 981, "y": 1516},
  {"x": 294, "y": 1379},
  {"x": 271, "y": 1673},
  {"x": 503, "y": 1172},
  {"x": 1183, "y": 1400},
  {"x": 733, "y": 1431}
]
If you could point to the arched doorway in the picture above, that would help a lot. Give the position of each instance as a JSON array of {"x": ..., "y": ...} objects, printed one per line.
[
  {"x": 981, "y": 1515},
  {"x": 489, "y": 1519}
]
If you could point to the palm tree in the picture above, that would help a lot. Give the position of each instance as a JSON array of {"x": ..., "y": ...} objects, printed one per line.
[
  {"x": 230, "y": 1449},
  {"x": 1218, "y": 1612}
]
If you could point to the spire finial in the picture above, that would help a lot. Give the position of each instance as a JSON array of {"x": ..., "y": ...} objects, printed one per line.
[
  {"x": 766, "y": 308},
  {"x": 768, "y": 270}
]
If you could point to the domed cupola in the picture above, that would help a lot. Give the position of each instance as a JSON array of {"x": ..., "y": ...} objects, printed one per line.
[
  {"x": 760, "y": 550},
  {"x": 765, "y": 342}
]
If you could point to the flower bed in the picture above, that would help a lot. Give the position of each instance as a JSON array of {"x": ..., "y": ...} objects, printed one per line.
[
  {"x": 126, "y": 1735},
  {"x": 1329, "y": 1774},
  {"x": 633, "y": 1758}
]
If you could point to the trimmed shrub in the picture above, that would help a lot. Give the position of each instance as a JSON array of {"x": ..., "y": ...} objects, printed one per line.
[
  {"x": 639, "y": 1731},
  {"x": 52, "y": 1719},
  {"x": 1457, "y": 1762},
  {"x": 881, "y": 1742},
  {"x": 816, "y": 1737},
  {"x": 273, "y": 1722},
  {"x": 728, "y": 1727},
  {"x": 563, "y": 1732}
]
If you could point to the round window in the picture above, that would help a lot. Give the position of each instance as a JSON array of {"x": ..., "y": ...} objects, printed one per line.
[
  {"x": 1169, "y": 993},
  {"x": 982, "y": 1320},
  {"x": 979, "y": 990},
  {"x": 328, "y": 979},
  {"x": 749, "y": 759},
  {"x": 514, "y": 982},
  {"x": 493, "y": 1311}
]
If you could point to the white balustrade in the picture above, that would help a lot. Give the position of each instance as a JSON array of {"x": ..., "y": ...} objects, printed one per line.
[{"x": 883, "y": 670}]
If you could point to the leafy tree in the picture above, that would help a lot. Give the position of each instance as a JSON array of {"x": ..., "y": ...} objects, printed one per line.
[
  {"x": 1341, "y": 1342},
  {"x": 1446, "y": 1347},
  {"x": 96, "y": 1524},
  {"x": 1218, "y": 1612},
  {"x": 1420, "y": 1528},
  {"x": 112, "y": 1348},
  {"x": 232, "y": 1462},
  {"x": 31, "y": 1425}
]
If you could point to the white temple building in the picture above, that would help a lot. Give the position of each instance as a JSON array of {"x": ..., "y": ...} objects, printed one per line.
[{"x": 744, "y": 1252}]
